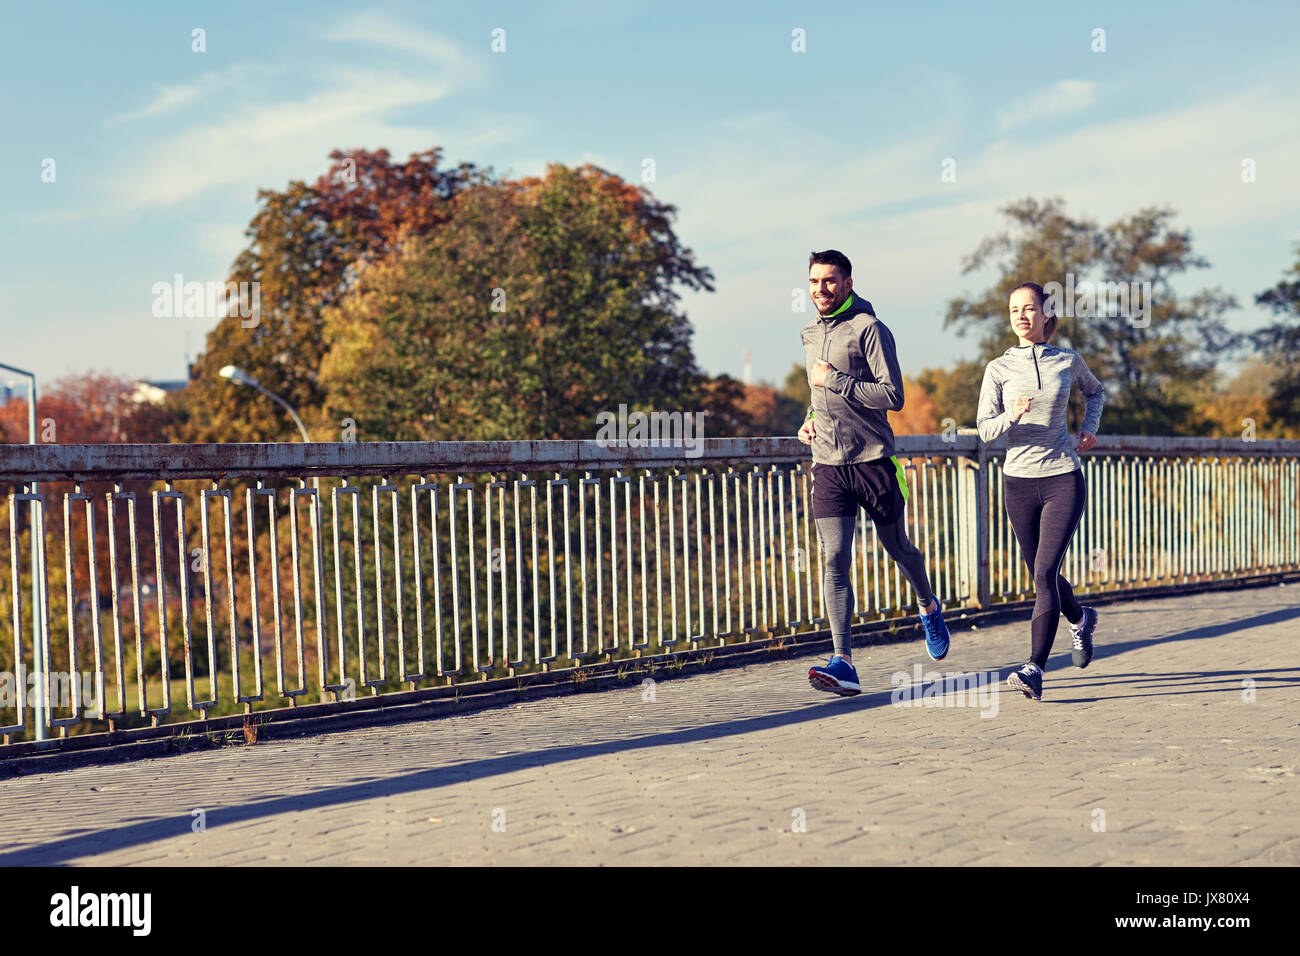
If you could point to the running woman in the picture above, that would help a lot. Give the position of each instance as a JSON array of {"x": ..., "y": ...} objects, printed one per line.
[
  {"x": 855, "y": 379},
  {"x": 1025, "y": 394}
]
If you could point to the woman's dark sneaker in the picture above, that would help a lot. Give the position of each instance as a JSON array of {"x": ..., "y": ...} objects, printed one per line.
[
  {"x": 1029, "y": 681},
  {"x": 1082, "y": 632}
]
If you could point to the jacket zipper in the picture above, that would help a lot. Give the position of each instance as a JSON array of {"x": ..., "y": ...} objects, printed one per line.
[
  {"x": 826, "y": 332},
  {"x": 1034, "y": 352}
]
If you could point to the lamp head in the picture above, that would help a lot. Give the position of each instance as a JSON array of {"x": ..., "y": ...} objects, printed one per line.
[{"x": 237, "y": 375}]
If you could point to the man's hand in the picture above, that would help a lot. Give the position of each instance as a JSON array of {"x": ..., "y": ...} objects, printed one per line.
[
  {"x": 819, "y": 371},
  {"x": 1019, "y": 408},
  {"x": 1087, "y": 441},
  {"x": 806, "y": 432}
]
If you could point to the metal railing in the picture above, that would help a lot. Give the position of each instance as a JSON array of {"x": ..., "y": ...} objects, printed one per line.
[{"x": 274, "y": 572}]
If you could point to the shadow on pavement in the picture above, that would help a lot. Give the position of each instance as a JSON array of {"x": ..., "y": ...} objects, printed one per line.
[
  {"x": 1060, "y": 663},
  {"x": 136, "y": 834}
]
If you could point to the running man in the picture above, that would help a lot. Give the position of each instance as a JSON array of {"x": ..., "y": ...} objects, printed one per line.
[
  {"x": 1025, "y": 395},
  {"x": 855, "y": 379}
]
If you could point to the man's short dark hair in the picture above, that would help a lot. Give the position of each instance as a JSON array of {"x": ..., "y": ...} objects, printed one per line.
[{"x": 831, "y": 257}]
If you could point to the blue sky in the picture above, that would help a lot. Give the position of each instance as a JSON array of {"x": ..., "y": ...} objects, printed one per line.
[{"x": 767, "y": 153}]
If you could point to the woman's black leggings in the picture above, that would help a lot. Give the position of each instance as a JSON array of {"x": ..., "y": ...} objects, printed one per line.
[{"x": 1044, "y": 513}]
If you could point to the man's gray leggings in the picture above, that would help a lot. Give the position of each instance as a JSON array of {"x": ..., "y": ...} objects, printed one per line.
[{"x": 836, "y": 536}]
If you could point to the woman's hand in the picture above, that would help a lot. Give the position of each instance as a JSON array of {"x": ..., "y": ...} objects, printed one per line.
[
  {"x": 807, "y": 432},
  {"x": 1019, "y": 408},
  {"x": 1087, "y": 441}
]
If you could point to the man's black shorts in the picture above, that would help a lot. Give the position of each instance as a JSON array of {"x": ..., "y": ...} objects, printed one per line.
[{"x": 840, "y": 490}]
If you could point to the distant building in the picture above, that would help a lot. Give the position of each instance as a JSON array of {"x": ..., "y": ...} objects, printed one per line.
[
  {"x": 155, "y": 392},
  {"x": 9, "y": 390}
]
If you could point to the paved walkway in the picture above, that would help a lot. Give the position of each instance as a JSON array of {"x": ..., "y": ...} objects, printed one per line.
[{"x": 1177, "y": 746}]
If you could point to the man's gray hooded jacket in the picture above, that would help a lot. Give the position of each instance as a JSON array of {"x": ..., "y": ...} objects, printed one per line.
[{"x": 849, "y": 422}]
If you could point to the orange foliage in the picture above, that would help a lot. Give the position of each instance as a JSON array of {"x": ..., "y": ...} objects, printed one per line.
[
  {"x": 919, "y": 415},
  {"x": 92, "y": 409},
  {"x": 758, "y": 405}
]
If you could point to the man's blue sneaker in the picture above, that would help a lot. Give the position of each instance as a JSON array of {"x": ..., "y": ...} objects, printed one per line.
[
  {"x": 936, "y": 635},
  {"x": 837, "y": 677}
]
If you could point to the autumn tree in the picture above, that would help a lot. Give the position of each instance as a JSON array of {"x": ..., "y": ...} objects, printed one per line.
[
  {"x": 918, "y": 416},
  {"x": 306, "y": 244},
  {"x": 1229, "y": 408},
  {"x": 954, "y": 391},
  {"x": 729, "y": 409},
  {"x": 93, "y": 408},
  {"x": 537, "y": 305},
  {"x": 796, "y": 388},
  {"x": 1154, "y": 366},
  {"x": 1279, "y": 345}
]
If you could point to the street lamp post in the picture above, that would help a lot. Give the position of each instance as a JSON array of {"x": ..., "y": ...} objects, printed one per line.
[
  {"x": 38, "y": 572},
  {"x": 243, "y": 378}
]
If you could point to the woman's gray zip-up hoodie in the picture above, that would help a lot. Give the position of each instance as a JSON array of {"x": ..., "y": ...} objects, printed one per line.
[{"x": 1039, "y": 445}]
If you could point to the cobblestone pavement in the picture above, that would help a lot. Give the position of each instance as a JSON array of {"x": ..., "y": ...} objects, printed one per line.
[{"x": 1178, "y": 745}]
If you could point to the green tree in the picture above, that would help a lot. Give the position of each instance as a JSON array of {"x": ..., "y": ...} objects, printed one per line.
[
  {"x": 796, "y": 388},
  {"x": 1280, "y": 345},
  {"x": 305, "y": 244},
  {"x": 955, "y": 392},
  {"x": 537, "y": 305},
  {"x": 1153, "y": 370}
]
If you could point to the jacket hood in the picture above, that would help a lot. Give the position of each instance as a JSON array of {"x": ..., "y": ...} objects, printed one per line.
[{"x": 857, "y": 306}]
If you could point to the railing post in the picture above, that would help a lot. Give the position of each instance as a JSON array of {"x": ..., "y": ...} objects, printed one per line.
[
  {"x": 1246, "y": 525},
  {"x": 982, "y": 588}
]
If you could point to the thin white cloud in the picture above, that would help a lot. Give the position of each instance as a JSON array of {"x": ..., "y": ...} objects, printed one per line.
[
  {"x": 1059, "y": 99},
  {"x": 1188, "y": 158},
  {"x": 752, "y": 121},
  {"x": 168, "y": 99},
  {"x": 249, "y": 142},
  {"x": 752, "y": 207},
  {"x": 376, "y": 29},
  {"x": 249, "y": 146}
]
